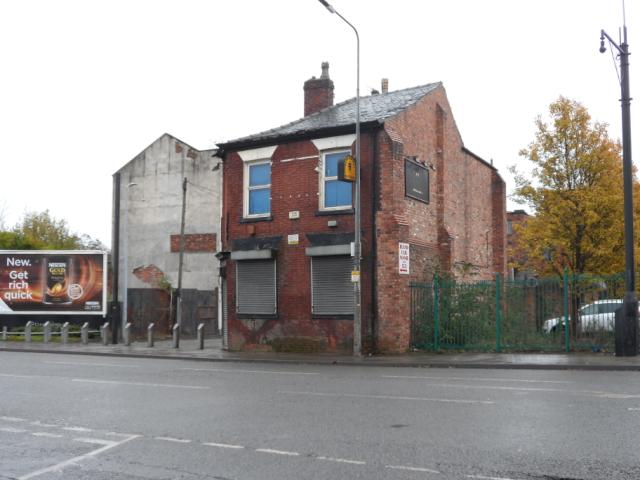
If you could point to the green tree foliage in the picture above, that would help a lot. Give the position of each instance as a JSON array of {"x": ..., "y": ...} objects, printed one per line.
[{"x": 575, "y": 191}]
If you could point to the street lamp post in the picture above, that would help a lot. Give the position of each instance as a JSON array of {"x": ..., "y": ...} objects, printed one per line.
[
  {"x": 125, "y": 280},
  {"x": 629, "y": 345},
  {"x": 355, "y": 275}
]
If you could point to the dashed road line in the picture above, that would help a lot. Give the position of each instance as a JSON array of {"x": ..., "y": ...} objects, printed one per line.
[
  {"x": 141, "y": 384},
  {"x": 482, "y": 477},
  {"x": 411, "y": 469},
  {"x": 77, "y": 429},
  {"x": 43, "y": 425},
  {"x": 77, "y": 364},
  {"x": 633, "y": 409},
  {"x": 478, "y": 379},
  {"x": 171, "y": 439},
  {"x": 392, "y": 397},
  {"x": 96, "y": 441},
  {"x": 342, "y": 460},
  {"x": 277, "y": 452},
  {"x": 12, "y": 419},
  {"x": 46, "y": 435},
  {"x": 223, "y": 445},
  {"x": 12, "y": 430},
  {"x": 226, "y": 370}
]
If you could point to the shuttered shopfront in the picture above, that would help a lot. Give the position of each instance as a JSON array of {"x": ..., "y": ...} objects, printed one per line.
[
  {"x": 256, "y": 287},
  {"x": 331, "y": 287}
]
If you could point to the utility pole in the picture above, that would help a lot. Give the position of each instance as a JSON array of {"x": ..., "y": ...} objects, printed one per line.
[
  {"x": 180, "y": 261},
  {"x": 627, "y": 316}
]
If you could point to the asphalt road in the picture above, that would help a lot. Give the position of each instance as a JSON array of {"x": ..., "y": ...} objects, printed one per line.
[{"x": 84, "y": 417}]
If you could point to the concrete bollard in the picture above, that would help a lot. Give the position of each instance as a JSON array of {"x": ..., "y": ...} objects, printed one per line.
[
  {"x": 104, "y": 333},
  {"x": 46, "y": 332},
  {"x": 27, "y": 331},
  {"x": 201, "y": 336},
  {"x": 150, "y": 335},
  {"x": 176, "y": 336},
  {"x": 4, "y": 333},
  {"x": 84, "y": 333},
  {"x": 126, "y": 334},
  {"x": 64, "y": 333}
]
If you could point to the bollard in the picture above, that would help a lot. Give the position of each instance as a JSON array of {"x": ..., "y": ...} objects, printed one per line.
[
  {"x": 176, "y": 336},
  {"x": 27, "y": 331},
  {"x": 126, "y": 334},
  {"x": 64, "y": 333},
  {"x": 46, "y": 332},
  {"x": 104, "y": 333},
  {"x": 150, "y": 335},
  {"x": 201, "y": 336},
  {"x": 4, "y": 333},
  {"x": 84, "y": 333}
]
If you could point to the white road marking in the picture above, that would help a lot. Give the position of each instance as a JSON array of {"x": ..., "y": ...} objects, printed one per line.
[
  {"x": 482, "y": 477},
  {"x": 15, "y": 375},
  {"x": 223, "y": 445},
  {"x": 12, "y": 430},
  {"x": 633, "y": 409},
  {"x": 76, "y": 429},
  {"x": 45, "y": 425},
  {"x": 411, "y": 469},
  {"x": 59, "y": 466},
  {"x": 12, "y": 419},
  {"x": 96, "y": 441},
  {"x": 46, "y": 434},
  {"x": 82, "y": 364},
  {"x": 478, "y": 379},
  {"x": 226, "y": 370},
  {"x": 140, "y": 384},
  {"x": 392, "y": 397},
  {"x": 277, "y": 452},
  {"x": 171, "y": 439},
  {"x": 342, "y": 460}
]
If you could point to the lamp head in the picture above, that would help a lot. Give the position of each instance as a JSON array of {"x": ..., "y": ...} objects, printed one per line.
[
  {"x": 327, "y": 6},
  {"x": 602, "y": 47}
]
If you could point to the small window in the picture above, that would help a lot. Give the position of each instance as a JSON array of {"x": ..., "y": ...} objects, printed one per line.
[
  {"x": 509, "y": 227},
  {"x": 331, "y": 287},
  {"x": 256, "y": 287},
  {"x": 258, "y": 189},
  {"x": 334, "y": 194}
]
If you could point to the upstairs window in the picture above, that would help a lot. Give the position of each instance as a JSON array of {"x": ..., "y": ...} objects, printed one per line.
[
  {"x": 334, "y": 194},
  {"x": 258, "y": 189}
]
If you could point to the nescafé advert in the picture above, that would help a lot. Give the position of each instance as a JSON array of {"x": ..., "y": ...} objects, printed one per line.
[{"x": 53, "y": 282}]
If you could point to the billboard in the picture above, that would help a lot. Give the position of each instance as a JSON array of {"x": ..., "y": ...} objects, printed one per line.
[{"x": 53, "y": 282}]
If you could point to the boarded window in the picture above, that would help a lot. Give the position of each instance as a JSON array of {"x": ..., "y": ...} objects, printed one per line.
[
  {"x": 331, "y": 287},
  {"x": 256, "y": 287}
]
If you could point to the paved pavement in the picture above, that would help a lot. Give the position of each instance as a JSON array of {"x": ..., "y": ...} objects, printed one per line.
[{"x": 213, "y": 352}]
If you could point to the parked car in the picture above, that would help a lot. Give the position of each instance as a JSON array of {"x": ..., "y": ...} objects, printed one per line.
[{"x": 597, "y": 316}]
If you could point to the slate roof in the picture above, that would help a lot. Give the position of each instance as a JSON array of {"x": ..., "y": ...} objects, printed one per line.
[{"x": 372, "y": 108}]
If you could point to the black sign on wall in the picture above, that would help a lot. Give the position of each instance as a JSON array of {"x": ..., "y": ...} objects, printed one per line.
[{"x": 416, "y": 181}]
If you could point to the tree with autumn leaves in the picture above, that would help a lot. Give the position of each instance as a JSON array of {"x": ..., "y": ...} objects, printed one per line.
[{"x": 575, "y": 192}]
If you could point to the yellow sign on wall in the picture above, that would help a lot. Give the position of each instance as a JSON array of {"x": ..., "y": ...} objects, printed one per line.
[{"x": 347, "y": 169}]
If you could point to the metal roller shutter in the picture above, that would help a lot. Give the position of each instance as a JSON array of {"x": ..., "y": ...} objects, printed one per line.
[
  {"x": 331, "y": 290},
  {"x": 256, "y": 287}
]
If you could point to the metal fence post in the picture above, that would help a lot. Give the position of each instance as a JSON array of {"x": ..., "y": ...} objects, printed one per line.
[
  {"x": 176, "y": 336},
  {"x": 64, "y": 333},
  {"x": 565, "y": 307},
  {"x": 46, "y": 332},
  {"x": 126, "y": 334},
  {"x": 4, "y": 333},
  {"x": 436, "y": 313},
  {"x": 498, "y": 315},
  {"x": 150, "y": 335},
  {"x": 104, "y": 333},
  {"x": 27, "y": 331},
  {"x": 201, "y": 336},
  {"x": 84, "y": 333}
]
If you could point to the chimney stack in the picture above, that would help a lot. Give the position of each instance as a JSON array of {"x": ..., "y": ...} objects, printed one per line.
[
  {"x": 385, "y": 85},
  {"x": 318, "y": 92}
]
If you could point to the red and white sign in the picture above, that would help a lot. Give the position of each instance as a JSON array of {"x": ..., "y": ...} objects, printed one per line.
[{"x": 403, "y": 258}]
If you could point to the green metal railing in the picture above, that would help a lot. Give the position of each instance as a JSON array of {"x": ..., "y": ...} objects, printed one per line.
[{"x": 554, "y": 314}]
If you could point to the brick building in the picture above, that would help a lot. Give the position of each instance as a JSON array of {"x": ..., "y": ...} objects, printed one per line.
[
  {"x": 287, "y": 221},
  {"x": 516, "y": 257}
]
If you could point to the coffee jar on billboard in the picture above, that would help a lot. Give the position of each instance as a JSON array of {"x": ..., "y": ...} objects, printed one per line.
[{"x": 56, "y": 287}]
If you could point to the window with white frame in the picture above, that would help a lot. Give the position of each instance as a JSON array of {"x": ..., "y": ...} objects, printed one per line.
[
  {"x": 334, "y": 194},
  {"x": 257, "y": 195}
]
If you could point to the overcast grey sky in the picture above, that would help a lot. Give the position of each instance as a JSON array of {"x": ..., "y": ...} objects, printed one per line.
[{"x": 86, "y": 85}]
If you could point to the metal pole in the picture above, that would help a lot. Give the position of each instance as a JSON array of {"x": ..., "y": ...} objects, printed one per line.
[
  {"x": 357, "y": 251},
  {"x": 630, "y": 305},
  {"x": 181, "y": 259}
]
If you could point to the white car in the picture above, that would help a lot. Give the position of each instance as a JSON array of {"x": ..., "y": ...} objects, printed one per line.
[{"x": 597, "y": 316}]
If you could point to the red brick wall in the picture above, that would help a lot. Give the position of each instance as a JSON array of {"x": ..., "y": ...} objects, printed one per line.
[{"x": 194, "y": 242}]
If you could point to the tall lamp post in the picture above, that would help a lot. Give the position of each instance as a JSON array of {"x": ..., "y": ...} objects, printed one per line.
[
  {"x": 125, "y": 279},
  {"x": 628, "y": 330},
  {"x": 355, "y": 275}
]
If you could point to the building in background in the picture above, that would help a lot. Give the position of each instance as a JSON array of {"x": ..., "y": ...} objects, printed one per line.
[
  {"x": 148, "y": 200},
  {"x": 516, "y": 258},
  {"x": 429, "y": 205}
]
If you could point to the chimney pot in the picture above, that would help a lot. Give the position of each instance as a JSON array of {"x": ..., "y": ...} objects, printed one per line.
[
  {"x": 318, "y": 92},
  {"x": 385, "y": 85}
]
